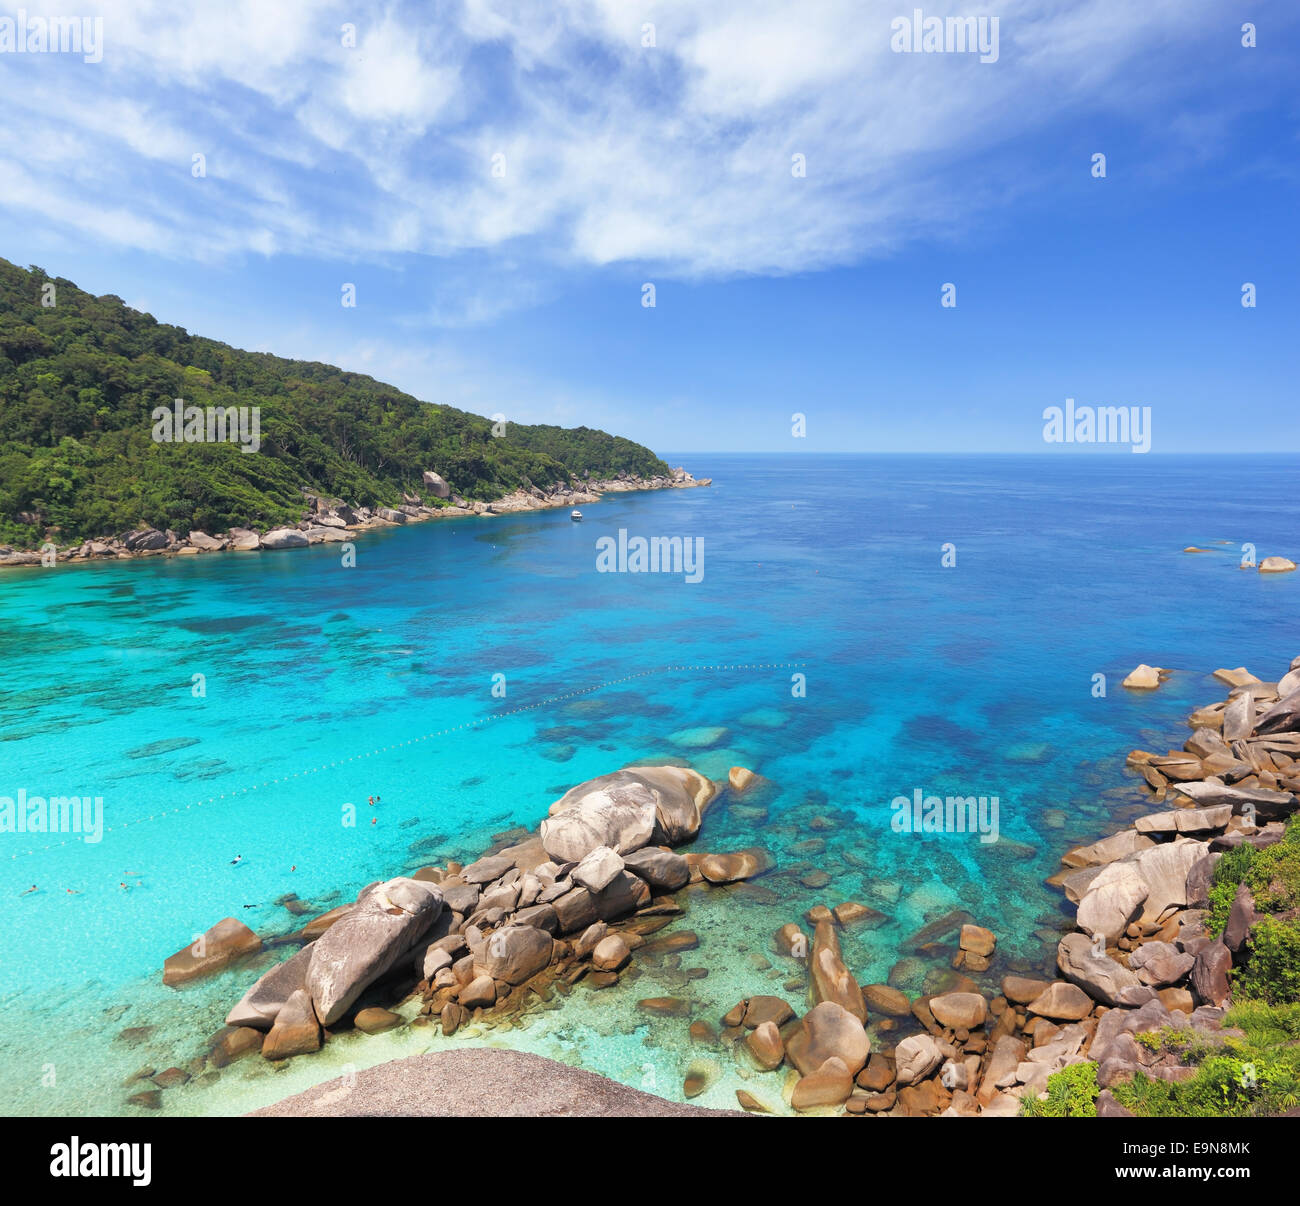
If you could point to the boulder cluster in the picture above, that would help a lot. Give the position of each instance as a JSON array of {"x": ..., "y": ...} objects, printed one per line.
[
  {"x": 330, "y": 520},
  {"x": 1139, "y": 960},
  {"x": 832, "y": 1064},
  {"x": 574, "y": 900},
  {"x": 1142, "y": 954}
]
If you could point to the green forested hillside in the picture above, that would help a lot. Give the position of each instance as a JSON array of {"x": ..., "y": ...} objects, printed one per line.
[{"x": 80, "y": 379}]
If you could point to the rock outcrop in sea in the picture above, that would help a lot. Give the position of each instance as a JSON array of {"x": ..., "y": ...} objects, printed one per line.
[
  {"x": 583, "y": 898},
  {"x": 490, "y": 935}
]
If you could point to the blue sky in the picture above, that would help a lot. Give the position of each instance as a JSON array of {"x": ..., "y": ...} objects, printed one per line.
[{"x": 624, "y": 164}]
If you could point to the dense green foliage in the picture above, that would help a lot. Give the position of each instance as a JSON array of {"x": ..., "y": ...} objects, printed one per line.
[
  {"x": 1071, "y": 1093},
  {"x": 1229, "y": 871},
  {"x": 1271, "y": 874},
  {"x": 80, "y": 379},
  {"x": 1272, "y": 971},
  {"x": 1248, "y": 1077}
]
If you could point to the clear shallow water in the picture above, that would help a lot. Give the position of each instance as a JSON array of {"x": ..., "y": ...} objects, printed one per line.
[{"x": 325, "y": 685}]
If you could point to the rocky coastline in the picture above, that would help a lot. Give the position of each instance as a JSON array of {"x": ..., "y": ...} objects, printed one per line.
[
  {"x": 331, "y": 520},
  {"x": 575, "y": 905}
]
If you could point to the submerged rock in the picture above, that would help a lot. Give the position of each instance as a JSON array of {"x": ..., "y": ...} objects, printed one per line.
[
  {"x": 740, "y": 778},
  {"x": 225, "y": 942},
  {"x": 736, "y": 866},
  {"x": 376, "y": 1021},
  {"x": 676, "y": 1007},
  {"x": 884, "y": 998},
  {"x": 699, "y": 738},
  {"x": 233, "y": 1043}
]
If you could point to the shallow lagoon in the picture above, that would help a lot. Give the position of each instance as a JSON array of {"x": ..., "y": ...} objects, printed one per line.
[{"x": 327, "y": 685}]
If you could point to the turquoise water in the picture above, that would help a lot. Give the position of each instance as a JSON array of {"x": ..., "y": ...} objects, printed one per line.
[{"x": 325, "y": 685}]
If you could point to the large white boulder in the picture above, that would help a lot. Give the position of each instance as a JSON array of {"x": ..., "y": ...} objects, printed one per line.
[
  {"x": 285, "y": 538},
  {"x": 1100, "y": 976},
  {"x": 436, "y": 484},
  {"x": 1112, "y": 900},
  {"x": 260, "y": 1004},
  {"x": 625, "y": 811},
  {"x": 387, "y": 921},
  {"x": 915, "y": 1058},
  {"x": 597, "y": 869}
]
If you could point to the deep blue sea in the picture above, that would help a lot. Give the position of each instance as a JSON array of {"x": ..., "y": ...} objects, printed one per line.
[{"x": 325, "y": 685}]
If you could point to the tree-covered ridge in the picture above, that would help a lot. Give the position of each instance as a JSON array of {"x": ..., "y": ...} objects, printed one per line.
[{"x": 79, "y": 381}]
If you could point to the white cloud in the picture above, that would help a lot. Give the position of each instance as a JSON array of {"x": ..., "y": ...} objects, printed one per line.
[{"x": 677, "y": 156}]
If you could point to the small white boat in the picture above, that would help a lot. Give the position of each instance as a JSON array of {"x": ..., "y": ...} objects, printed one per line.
[{"x": 575, "y": 515}]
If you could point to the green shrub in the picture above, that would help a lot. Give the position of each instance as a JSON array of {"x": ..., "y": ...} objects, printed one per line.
[
  {"x": 1225, "y": 1086},
  {"x": 1271, "y": 874},
  {"x": 1071, "y": 1093},
  {"x": 1265, "y": 1025},
  {"x": 1251, "y": 1075},
  {"x": 1274, "y": 876},
  {"x": 1229, "y": 872},
  {"x": 1272, "y": 972}
]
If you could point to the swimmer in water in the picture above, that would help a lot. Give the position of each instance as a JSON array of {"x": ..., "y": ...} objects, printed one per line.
[
  {"x": 29, "y": 891},
  {"x": 239, "y": 858}
]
